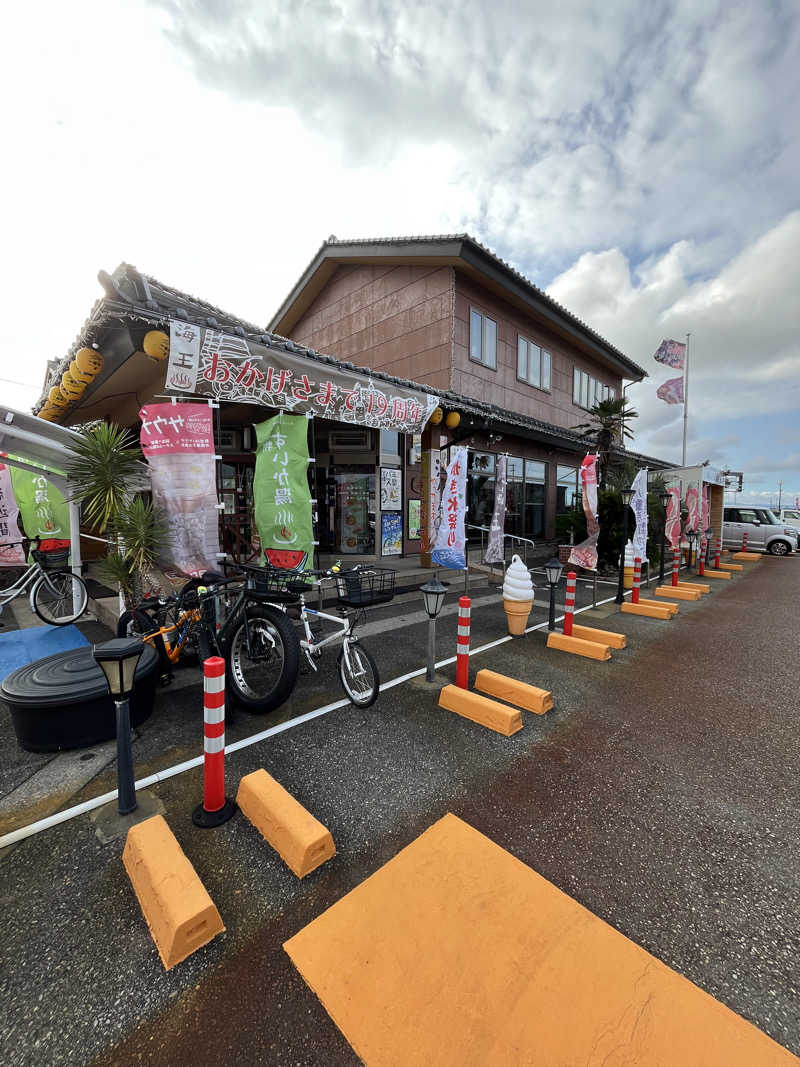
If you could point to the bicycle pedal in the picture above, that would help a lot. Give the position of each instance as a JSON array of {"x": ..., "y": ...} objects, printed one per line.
[{"x": 166, "y": 679}]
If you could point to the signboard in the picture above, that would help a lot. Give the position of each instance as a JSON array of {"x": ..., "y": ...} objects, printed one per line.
[
  {"x": 391, "y": 489},
  {"x": 391, "y": 533},
  {"x": 281, "y": 493},
  {"x": 207, "y": 362},
  {"x": 639, "y": 506},
  {"x": 178, "y": 443},
  {"x": 431, "y": 472},
  {"x": 414, "y": 520},
  {"x": 11, "y": 554},
  {"x": 44, "y": 511}
]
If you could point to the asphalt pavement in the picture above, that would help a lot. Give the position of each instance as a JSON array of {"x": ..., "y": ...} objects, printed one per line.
[{"x": 661, "y": 792}]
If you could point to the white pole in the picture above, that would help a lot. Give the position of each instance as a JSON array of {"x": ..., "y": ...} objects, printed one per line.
[
  {"x": 75, "y": 545},
  {"x": 685, "y": 398}
]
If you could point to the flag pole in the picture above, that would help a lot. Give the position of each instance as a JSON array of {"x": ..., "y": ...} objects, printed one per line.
[{"x": 685, "y": 397}]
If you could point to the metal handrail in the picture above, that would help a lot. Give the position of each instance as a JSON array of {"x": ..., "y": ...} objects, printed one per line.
[{"x": 506, "y": 537}]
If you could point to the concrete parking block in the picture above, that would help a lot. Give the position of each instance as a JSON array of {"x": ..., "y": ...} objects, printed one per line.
[
  {"x": 578, "y": 646},
  {"x": 670, "y": 605},
  {"x": 529, "y": 697},
  {"x": 715, "y": 573},
  {"x": 677, "y": 593},
  {"x": 498, "y": 717},
  {"x": 603, "y": 637},
  {"x": 648, "y": 611}
]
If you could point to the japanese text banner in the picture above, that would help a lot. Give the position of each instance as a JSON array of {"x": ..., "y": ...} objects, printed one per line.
[
  {"x": 178, "y": 443},
  {"x": 232, "y": 368},
  {"x": 495, "y": 549},
  {"x": 281, "y": 493},
  {"x": 639, "y": 507},
  {"x": 11, "y": 554},
  {"x": 585, "y": 554},
  {"x": 450, "y": 549}
]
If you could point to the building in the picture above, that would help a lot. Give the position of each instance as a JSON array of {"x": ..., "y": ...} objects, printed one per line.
[{"x": 427, "y": 322}]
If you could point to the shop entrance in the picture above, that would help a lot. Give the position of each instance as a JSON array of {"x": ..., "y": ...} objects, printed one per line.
[{"x": 347, "y": 509}]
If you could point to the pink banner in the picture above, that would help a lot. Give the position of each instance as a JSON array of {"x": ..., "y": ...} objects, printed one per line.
[
  {"x": 705, "y": 516},
  {"x": 693, "y": 508},
  {"x": 11, "y": 555},
  {"x": 672, "y": 353},
  {"x": 178, "y": 442},
  {"x": 673, "y": 528},
  {"x": 585, "y": 554},
  {"x": 671, "y": 391}
]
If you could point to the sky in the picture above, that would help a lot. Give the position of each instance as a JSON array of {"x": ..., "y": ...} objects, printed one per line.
[{"x": 639, "y": 162}]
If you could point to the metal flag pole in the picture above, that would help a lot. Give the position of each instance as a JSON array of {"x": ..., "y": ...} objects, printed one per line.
[{"x": 685, "y": 397}]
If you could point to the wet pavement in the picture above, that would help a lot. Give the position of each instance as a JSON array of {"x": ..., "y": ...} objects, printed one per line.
[{"x": 661, "y": 792}]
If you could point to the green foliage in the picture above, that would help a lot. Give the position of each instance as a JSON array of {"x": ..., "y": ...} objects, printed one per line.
[
  {"x": 142, "y": 529},
  {"x": 116, "y": 569},
  {"x": 104, "y": 472},
  {"x": 610, "y": 422},
  {"x": 610, "y": 508}
]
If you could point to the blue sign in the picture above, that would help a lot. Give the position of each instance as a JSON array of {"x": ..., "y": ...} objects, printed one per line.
[{"x": 391, "y": 533}]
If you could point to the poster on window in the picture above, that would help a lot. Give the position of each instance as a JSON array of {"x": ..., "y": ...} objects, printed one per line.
[
  {"x": 11, "y": 554},
  {"x": 414, "y": 520},
  {"x": 391, "y": 533},
  {"x": 391, "y": 489}
]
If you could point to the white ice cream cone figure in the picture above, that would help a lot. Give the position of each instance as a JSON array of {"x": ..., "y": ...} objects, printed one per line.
[{"x": 517, "y": 596}]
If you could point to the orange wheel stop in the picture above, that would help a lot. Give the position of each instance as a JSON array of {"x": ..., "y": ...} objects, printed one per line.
[
  {"x": 603, "y": 637},
  {"x": 649, "y": 611},
  {"x": 700, "y": 587},
  {"x": 677, "y": 593},
  {"x": 578, "y": 646},
  {"x": 711, "y": 573},
  {"x": 455, "y": 953},
  {"x": 498, "y": 717},
  {"x": 529, "y": 697},
  {"x": 752, "y": 557},
  {"x": 181, "y": 915},
  {"x": 671, "y": 607},
  {"x": 731, "y": 567},
  {"x": 301, "y": 841}
]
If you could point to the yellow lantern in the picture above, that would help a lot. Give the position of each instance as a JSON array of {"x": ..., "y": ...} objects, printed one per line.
[
  {"x": 436, "y": 416},
  {"x": 452, "y": 420},
  {"x": 156, "y": 345},
  {"x": 46, "y": 412},
  {"x": 88, "y": 363},
  {"x": 68, "y": 390},
  {"x": 56, "y": 399}
]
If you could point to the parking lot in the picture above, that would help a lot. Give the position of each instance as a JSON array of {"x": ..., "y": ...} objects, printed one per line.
[{"x": 661, "y": 792}]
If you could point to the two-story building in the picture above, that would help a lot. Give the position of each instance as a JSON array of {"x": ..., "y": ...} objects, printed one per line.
[{"x": 439, "y": 319}]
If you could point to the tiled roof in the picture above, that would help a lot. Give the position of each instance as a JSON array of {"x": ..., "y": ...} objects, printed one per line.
[{"x": 430, "y": 239}]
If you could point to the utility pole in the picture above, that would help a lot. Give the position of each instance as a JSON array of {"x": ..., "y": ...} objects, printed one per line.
[
  {"x": 780, "y": 491},
  {"x": 685, "y": 397}
]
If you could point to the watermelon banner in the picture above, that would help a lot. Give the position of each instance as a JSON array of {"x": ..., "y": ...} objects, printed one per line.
[
  {"x": 44, "y": 511},
  {"x": 11, "y": 555},
  {"x": 280, "y": 491},
  {"x": 178, "y": 443}
]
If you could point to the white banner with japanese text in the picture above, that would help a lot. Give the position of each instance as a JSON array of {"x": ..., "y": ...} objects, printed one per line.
[{"x": 450, "y": 548}]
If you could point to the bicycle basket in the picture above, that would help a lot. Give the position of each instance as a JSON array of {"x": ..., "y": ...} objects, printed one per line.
[
  {"x": 54, "y": 560},
  {"x": 362, "y": 588},
  {"x": 273, "y": 580}
]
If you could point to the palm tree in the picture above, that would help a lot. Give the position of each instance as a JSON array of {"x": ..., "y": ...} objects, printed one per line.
[{"x": 609, "y": 424}]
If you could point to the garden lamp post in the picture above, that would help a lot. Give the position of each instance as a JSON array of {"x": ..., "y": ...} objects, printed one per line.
[
  {"x": 690, "y": 537},
  {"x": 627, "y": 497},
  {"x": 118, "y": 660},
  {"x": 553, "y": 571},
  {"x": 708, "y": 535},
  {"x": 664, "y": 498},
  {"x": 433, "y": 594}
]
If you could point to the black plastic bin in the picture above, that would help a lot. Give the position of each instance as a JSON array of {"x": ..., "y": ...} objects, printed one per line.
[{"x": 62, "y": 701}]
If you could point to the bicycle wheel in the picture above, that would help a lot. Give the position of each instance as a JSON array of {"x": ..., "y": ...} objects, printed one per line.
[
  {"x": 359, "y": 677},
  {"x": 59, "y": 597},
  {"x": 263, "y": 676},
  {"x": 138, "y": 623}
]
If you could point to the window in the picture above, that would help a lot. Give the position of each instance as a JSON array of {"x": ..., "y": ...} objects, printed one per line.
[
  {"x": 533, "y": 364},
  {"x": 566, "y": 488},
  {"x": 588, "y": 391},
  {"x": 535, "y": 483},
  {"x": 482, "y": 339}
]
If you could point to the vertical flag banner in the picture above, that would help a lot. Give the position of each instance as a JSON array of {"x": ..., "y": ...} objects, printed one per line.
[
  {"x": 671, "y": 391},
  {"x": 494, "y": 549},
  {"x": 431, "y": 474},
  {"x": 585, "y": 554},
  {"x": 705, "y": 515},
  {"x": 639, "y": 506},
  {"x": 44, "y": 511},
  {"x": 673, "y": 525},
  {"x": 11, "y": 555},
  {"x": 178, "y": 443},
  {"x": 184, "y": 356},
  {"x": 693, "y": 508},
  {"x": 450, "y": 549},
  {"x": 280, "y": 491},
  {"x": 672, "y": 353}
]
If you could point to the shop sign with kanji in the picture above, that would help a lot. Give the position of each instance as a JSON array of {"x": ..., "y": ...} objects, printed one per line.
[{"x": 206, "y": 362}]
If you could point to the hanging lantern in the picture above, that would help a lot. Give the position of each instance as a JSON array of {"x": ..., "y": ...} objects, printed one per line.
[
  {"x": 46, "y": 412},
  {"x": 436, "y": 416},
  {"x": 156, "y": 345},
  {"x": 57, "y": 399},
  {"x": 68, "y": 390},
  {"x": 452, "y": 420},
  {"x": 88, "y": 363}
]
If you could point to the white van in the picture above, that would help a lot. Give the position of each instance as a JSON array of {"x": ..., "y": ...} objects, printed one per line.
[{"x": 764, "y": 532}]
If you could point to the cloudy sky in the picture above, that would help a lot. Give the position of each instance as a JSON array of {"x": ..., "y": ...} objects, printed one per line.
[{"x": 639, "y": 161}]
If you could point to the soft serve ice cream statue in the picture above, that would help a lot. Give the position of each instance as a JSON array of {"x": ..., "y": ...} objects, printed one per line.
[{"x": 517, "y": 596}]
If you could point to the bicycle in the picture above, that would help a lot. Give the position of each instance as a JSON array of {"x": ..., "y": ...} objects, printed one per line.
[
  {"x": 58, "y": 596},
  {"x": 256, "y": 639},
  {"x": 358, "y": 588}
]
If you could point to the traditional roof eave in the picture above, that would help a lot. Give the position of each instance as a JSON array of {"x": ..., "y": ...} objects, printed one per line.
[{"x": 463, "y": 252}]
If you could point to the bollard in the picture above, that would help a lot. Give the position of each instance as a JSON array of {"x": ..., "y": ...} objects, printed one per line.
[
  {"x": 569, "y": 603},
  {"x": 637, "y": 580},
  {"x": 718, "y": 553},
  {"x": 462, "y": 646},
  {"x": 216, "y": 807},
  {"x": 701, "y": 564},
  {"x": 676, "y": 562},
  {"x": 744, "y": 541}
]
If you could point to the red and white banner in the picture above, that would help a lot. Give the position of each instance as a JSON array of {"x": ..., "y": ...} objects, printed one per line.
[
  {"x": 672, "y": 353},
  {"x": 178, "y": 443},
  {"x": 673, "y": 527},
  {"x": 705, "y": 514},
  {"x": 585, "y": 554},
  {"x": 671, "y": 391},
  {"x": 693, "y": 508},
  {"x": 11, "y": 555}
]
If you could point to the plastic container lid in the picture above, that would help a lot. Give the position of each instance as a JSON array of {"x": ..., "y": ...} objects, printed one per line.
[{"x": 70, "y": 677}]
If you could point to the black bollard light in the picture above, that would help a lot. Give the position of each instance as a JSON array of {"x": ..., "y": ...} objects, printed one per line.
[
  {"x": 553, "y": 571},
  {"x": 664, "y": 498},
  {"x": 690, "y": 537},
  {"x": 118, "y": 660},
  {"x": 433, "y": 593},
  {"x": 627, "y": 497}
]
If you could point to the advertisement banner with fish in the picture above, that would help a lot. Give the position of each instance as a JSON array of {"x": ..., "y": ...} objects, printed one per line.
[
  {"x": 585, "y": 554},
  {"x": 281, "y": 492},
  {"x": 673, "y": 523},
  {"x": 450, "y": 548}
]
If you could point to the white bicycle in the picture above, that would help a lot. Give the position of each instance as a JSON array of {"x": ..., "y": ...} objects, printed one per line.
[{"x": 58, "y": 596}]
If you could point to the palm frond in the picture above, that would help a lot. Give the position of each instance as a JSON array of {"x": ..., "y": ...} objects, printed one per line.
[
  {"x": 104, "y": 470},
  {"x": 117, "y": 570},
  {"x": 142, "y": 530}
]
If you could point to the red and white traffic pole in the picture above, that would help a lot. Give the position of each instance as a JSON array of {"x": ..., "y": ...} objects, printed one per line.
[
  {"x": 744, "y": 541},
  {"x": 701, "y": 566},
  {"x": 216, "y": 807},
  {"x": 637, "y": 580},
  {"x": 676, "y": 562},
  {"x": 718, "y": 553},
  {"x": 569, "y": 603},
  {"x": 462, "y": 646}
]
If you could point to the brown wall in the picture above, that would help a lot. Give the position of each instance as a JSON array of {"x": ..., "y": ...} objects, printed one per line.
[
  {"x": 501, "y": 386},
  {"x": 394, "y": 319}
]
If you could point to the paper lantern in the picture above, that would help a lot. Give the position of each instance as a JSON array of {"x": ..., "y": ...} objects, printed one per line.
[
  {"x": 69, "y": 390},
  {"x": 46, "y": 412},
  {"x": 88, "y": 362},
  {"x": 57, "y": 399},
  {"x": 436, "y": 416},
  {"x": 156, "y": 345},
  {"x": 452, "y": 420}
]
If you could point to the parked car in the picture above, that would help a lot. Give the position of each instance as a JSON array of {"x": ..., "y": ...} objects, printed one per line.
[
  {"x": 790, "y": 516},
  {"x": 764, "y": 532}
]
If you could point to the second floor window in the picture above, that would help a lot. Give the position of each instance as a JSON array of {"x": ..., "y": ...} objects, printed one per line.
[
  {"x": 533, "y": 364},
  {"x": 588, "y": 391},
  {"x": 482, "y": 339}
]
